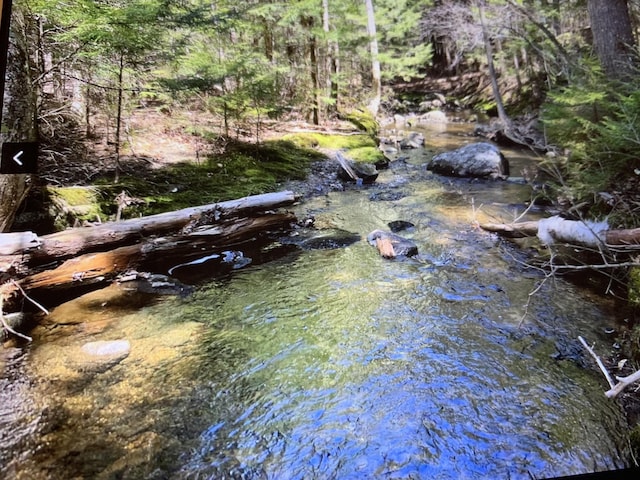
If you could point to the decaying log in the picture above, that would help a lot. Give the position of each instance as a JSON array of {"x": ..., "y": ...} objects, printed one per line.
[
  {"x": 512, "y": 230},
  {"x": 74, "y": 241},
  {"x": 391, "y": 245},
  {"x": 385, "y": 247},
  {"x": 100, "y": 267},
  {"x": 568, "y": 231},
  {"x": 88, "y": 257}
]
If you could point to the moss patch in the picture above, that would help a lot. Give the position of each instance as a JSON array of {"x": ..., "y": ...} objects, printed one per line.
[
  {"x": 244, "y": 169},
  {"x": 336, "y": 142},
  {"x": 70, "y": 205},
  {"x": 366, "y": 154},
  {"x": 364, "y": 121}
]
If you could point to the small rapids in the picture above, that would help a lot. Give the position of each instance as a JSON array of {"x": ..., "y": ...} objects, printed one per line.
[{"x": 330, "y": 362}]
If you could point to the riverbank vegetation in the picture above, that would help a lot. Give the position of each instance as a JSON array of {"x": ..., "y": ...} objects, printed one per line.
[{"x": 165, "y": 103}]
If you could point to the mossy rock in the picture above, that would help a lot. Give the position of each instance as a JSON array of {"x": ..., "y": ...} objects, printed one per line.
[
  {"x": 72, "y": 205},
  {"x": 371, "y": 155},
  {"x": 364, "y": 121}
]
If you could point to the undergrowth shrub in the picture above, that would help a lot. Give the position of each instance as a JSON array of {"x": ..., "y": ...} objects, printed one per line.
[{"x": 598, "y": 123}]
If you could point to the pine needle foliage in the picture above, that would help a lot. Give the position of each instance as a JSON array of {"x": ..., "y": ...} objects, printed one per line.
[{"x": 598, "y": 122}]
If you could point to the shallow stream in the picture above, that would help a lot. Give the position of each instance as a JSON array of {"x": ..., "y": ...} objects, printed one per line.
[{"x": 330, "y": 363}]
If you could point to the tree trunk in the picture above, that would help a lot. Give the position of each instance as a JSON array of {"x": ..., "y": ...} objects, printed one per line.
[
  {"x": 612, "y": 36},
  {"x": 331, "y": 61},
  {"x": 119, "y": 118},
  {"x": 315, "y": 81},
  {"x": 502, "y": 114},
  {"x": 18, "y": 115},
  {"x": 376, "y": 75}
]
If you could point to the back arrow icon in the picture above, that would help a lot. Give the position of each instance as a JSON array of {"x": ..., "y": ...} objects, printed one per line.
[{"x": 16, "y": 157}]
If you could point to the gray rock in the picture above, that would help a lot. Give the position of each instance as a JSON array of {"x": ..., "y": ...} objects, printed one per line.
[
  {"x": 401, "y": 247},
  {"x": 100, "y": 356},
  {"x": 480, "y": 160},
  {"x": 413, "y": 140},
  {"x": 434, "y": 116}
]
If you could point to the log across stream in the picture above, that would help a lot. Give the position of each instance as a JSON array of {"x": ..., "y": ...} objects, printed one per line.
[{"x": 77, "y": 258}]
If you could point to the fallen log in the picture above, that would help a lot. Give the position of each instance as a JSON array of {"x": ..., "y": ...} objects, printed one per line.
[
  {"x": 74, "y": 241},
  {"x": 98, "y": 268},
  {"x": 577, "y": 232}
]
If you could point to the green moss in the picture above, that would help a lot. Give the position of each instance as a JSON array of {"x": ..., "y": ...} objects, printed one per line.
[
  {"x": 74, "y": 196},
  {"x": 70, "y": 205},
  {"x": 365, "y": 121},
  {"x": 244, "y": 169},
  {"x": 366, "y": 154},
  {"x": 634, "y": 287},
  {"x": 337, "y": 142}
]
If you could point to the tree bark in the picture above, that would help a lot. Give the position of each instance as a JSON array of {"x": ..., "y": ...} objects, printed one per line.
[
  {"x": 18, "y": 116},
  {"x": 502, "y": 114},
  {"x": 376, "y": 75},
  {"x": 119, "y": 117},
  {"x": 331, "y": 66},
  {"x": 613, "y": 39}
]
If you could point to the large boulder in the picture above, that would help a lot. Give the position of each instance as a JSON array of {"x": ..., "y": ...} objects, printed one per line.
[{"x": 480, "y": 160}]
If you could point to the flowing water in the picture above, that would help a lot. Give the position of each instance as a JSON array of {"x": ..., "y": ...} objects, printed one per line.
[{"x": 330, "y": 363}]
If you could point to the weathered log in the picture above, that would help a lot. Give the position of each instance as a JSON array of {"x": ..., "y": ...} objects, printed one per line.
[
  {"x": 512, "y": 230},
  {"x": 74, "y": 241},
  {"x": 617, "y": 237},
  {"x": 100, "y": 267}
]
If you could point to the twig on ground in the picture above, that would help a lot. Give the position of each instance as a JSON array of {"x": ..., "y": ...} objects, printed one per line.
[
  {"x": 8, "y": 328},
  {"x": 46, "y": 312},
  {"x": 604, "y": 370},
  {"x": 623, "y": 382}
]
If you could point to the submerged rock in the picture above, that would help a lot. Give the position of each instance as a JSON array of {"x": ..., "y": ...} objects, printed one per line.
[
  {"x": 400, "y": 225},
  {"x": 154, "y": 283},
  {"x": 412, "y": 140},
  {"x": 480, "y": 160},
  {"x": 325, "y": 239},
  {"x": 107, "y": 348},
  {"x": 99, "y": 356}
]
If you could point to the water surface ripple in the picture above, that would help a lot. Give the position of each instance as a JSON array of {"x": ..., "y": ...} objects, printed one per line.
[{"x": 330, "y": 364}]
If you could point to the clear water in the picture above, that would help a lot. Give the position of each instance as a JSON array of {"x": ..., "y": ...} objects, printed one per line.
[{"x": 329, "y": 364}]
